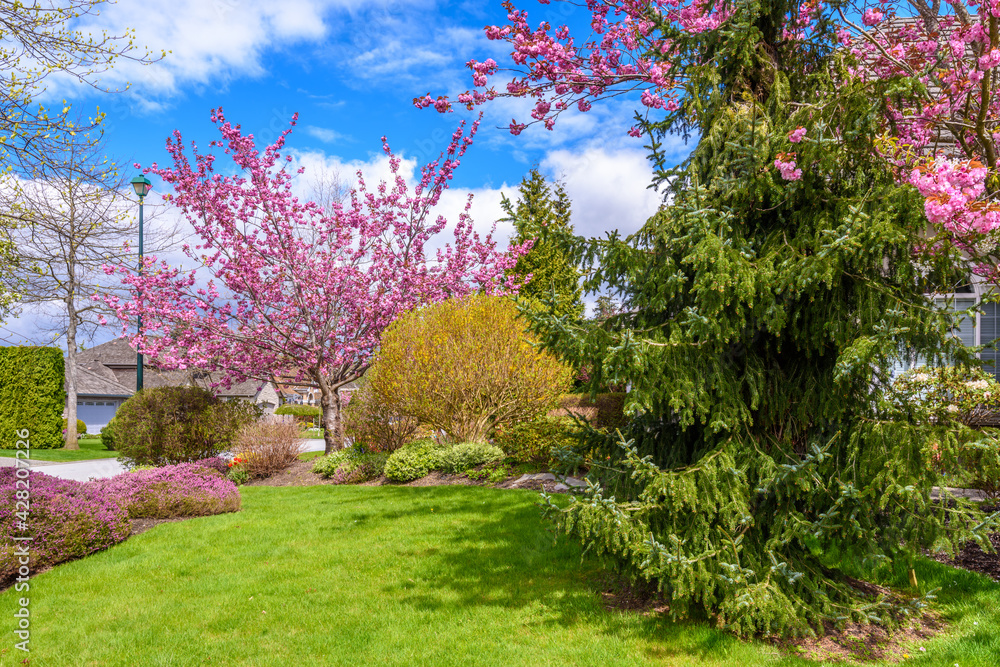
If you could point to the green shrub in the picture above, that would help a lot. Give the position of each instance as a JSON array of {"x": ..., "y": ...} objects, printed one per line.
[
  {"x": 108, "y": 435},
  {"x": 166, "y": 425},
  {"x": 535, "y": 440},
  {"x": 351, "y": 465},
  {"x": 413, "y": 461},
  {"x": 305, "y": 415},
  {"x": 81, "y": 427},
  {"x": 462, "y": 457},
  {"x": 32, "y": 397}
]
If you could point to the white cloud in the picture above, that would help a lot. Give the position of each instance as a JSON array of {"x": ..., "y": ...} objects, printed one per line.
[
  {"x": 208, "y": 40},
  {"x": 324, "y": 134}
]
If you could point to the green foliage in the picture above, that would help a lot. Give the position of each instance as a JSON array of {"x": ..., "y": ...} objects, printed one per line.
[
  {"x": 461, "y": 457},
  {"x": 761, "y": 318},
  {"x": 463, "y": 366},
  {"x": 413, "y": 461},
  {"x": 351, "y": 465},
  {"x": 299, "y": 410},
  {"x": 32, "y": 395},
  {"x": 166, "y": 425},
  {"x": 81, "y": 427},
  {"x": 543, "y": 216},
  {"x": 108, "y": 435},
  {"x": 534, "y": 440},
  {"x": 238, "y": 475}
]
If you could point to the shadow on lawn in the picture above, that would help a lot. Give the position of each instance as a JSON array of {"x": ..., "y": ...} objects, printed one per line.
[{"x": 513, "y": 559}]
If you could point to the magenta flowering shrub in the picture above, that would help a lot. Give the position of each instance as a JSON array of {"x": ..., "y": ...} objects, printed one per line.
[
  {"x": 65, "y": 519},
  {"x": 186, "y": 489},
  {"x": 214, "y": 463}
]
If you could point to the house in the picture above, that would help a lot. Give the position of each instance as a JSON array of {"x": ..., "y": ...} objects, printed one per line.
[{"x": 106, "y": 377}]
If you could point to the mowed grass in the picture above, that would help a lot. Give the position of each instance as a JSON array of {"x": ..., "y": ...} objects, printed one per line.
[
  {"x": 351, "y": 576},
  {"x": 390, "y": 575},
  {"x": 90, "y": 448}
]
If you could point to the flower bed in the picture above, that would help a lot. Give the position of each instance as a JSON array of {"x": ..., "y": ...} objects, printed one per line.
[
  {"x": 65, "y": 520},
  {"x": 186, "y": 489}
]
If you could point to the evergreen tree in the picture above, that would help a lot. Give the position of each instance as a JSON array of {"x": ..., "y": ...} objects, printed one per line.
[
  {"x": 766, "y": 460},
  {"x": 542, "y": 214}
]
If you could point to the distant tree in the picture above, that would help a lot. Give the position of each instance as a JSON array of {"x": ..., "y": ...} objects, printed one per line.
[
  {"x": 38, "y": 43},
  {"x": 80, "y": 218},
  {"x": 542, "y": 214}
]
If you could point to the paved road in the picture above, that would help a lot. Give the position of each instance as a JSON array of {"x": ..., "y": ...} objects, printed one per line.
[{"x": 101, "y": 468}]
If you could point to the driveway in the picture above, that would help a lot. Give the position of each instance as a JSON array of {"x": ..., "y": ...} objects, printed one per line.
[{"x": 101, "y": 468}]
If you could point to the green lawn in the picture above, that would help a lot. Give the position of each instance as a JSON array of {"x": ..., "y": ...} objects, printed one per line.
[
  {"x": 90, "y": 448},
  {"x": 390, "y": 575},
  {"x": 309, "y": 456}
]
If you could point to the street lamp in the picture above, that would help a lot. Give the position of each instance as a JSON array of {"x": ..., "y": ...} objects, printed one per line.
[{"x": 142, "y": 186}]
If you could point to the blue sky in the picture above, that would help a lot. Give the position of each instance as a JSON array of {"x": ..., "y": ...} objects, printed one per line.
[{"x": 351, "y": 69}]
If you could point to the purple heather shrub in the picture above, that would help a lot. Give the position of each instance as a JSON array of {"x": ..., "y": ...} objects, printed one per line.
[
  {"x": 215, "y": 463},
  {"x": 65, "y": 520},
  {"x": 186, "y": 489}
]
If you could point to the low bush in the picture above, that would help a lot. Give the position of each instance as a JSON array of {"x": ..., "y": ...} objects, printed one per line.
[
  {"x": 533, "y": 441},
  {"x": 179, "y": 490},
  {"x": 372, "y": 424},
  {"x": 166, "y": 425},
  {"x": 216, "y": 463},
  {"x": 67, "y": 520},
  {"x": 462, "y": 457},
  {"x": 108, "y": 435},
  {"x": 266, "y": 448},
  {"x": 351, "y": 465},
  {"x": 81, "y": 427},
  {"x": 413, "y": 461}
]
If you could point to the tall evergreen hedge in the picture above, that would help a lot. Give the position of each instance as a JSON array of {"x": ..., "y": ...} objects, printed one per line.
[{"x": 32, "y": 395}]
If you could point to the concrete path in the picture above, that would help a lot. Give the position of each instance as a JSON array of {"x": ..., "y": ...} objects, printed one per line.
[{"x": 103, "y": 468}]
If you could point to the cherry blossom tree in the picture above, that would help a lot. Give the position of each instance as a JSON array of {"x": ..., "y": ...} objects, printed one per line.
[{"x": 297, "y": 289}]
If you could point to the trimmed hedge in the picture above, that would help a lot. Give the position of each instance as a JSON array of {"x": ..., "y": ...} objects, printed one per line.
[
  {"x": 32, "y": 395},
  {"x": 108, "y": 435},
  {"x": 351, "y": 465},
  {"x": 299, "y": 410}
]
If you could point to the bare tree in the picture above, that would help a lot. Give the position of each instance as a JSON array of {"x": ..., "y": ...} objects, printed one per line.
[{"x": 78, "y": 216}]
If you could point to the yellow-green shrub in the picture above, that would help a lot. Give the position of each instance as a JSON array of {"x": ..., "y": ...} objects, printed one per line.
[{"x": 463, "y": 366}]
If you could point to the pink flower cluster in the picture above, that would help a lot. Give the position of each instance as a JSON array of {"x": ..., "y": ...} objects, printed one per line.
[{"x": 785, "y": 163}]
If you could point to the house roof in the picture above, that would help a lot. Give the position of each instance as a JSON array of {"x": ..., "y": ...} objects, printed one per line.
[
  {"x": 115, "y": 352},
  {"x": 90, "y": 383}
]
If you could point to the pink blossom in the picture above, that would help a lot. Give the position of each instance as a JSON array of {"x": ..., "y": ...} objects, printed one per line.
[
  {"x": 788, "y": 170},
  {"x": 796, "y": 135}
]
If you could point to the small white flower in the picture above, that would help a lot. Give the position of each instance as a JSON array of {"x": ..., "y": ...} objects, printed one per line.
[
  {"x": 921, "y": 377},
  {"x": 978, "y": 384},
  {"x": 952, "y": 408}
]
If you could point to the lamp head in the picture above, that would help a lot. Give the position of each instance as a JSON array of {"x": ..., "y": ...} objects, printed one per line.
[{"x": 141, "y": 185}]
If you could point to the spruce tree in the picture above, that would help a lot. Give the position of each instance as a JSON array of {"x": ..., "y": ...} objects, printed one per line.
[
  {"x": 542, "y": 213},
  {"x": 765, "y": 461}
]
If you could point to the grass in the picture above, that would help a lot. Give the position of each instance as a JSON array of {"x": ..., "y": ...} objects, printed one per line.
[
  {"x": 90, "y": 448},
  {"x": 309, "y": 456},
  {"x": 392, "y": 575},
  {"x": 352, "y": 575}
]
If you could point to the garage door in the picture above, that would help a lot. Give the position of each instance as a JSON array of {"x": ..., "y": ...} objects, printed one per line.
[{"x": 96, "y": 414}]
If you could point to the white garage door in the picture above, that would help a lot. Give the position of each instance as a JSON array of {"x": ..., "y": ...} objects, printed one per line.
[{"x": 96, "y": 414}]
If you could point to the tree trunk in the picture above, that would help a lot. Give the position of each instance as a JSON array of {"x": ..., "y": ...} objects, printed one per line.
[
  {"x": 329, "y": 402},
  {"x": 71, "y": 434}
]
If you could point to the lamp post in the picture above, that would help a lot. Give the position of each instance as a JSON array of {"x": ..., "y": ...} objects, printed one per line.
[{"x": 141, "y": 185}]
